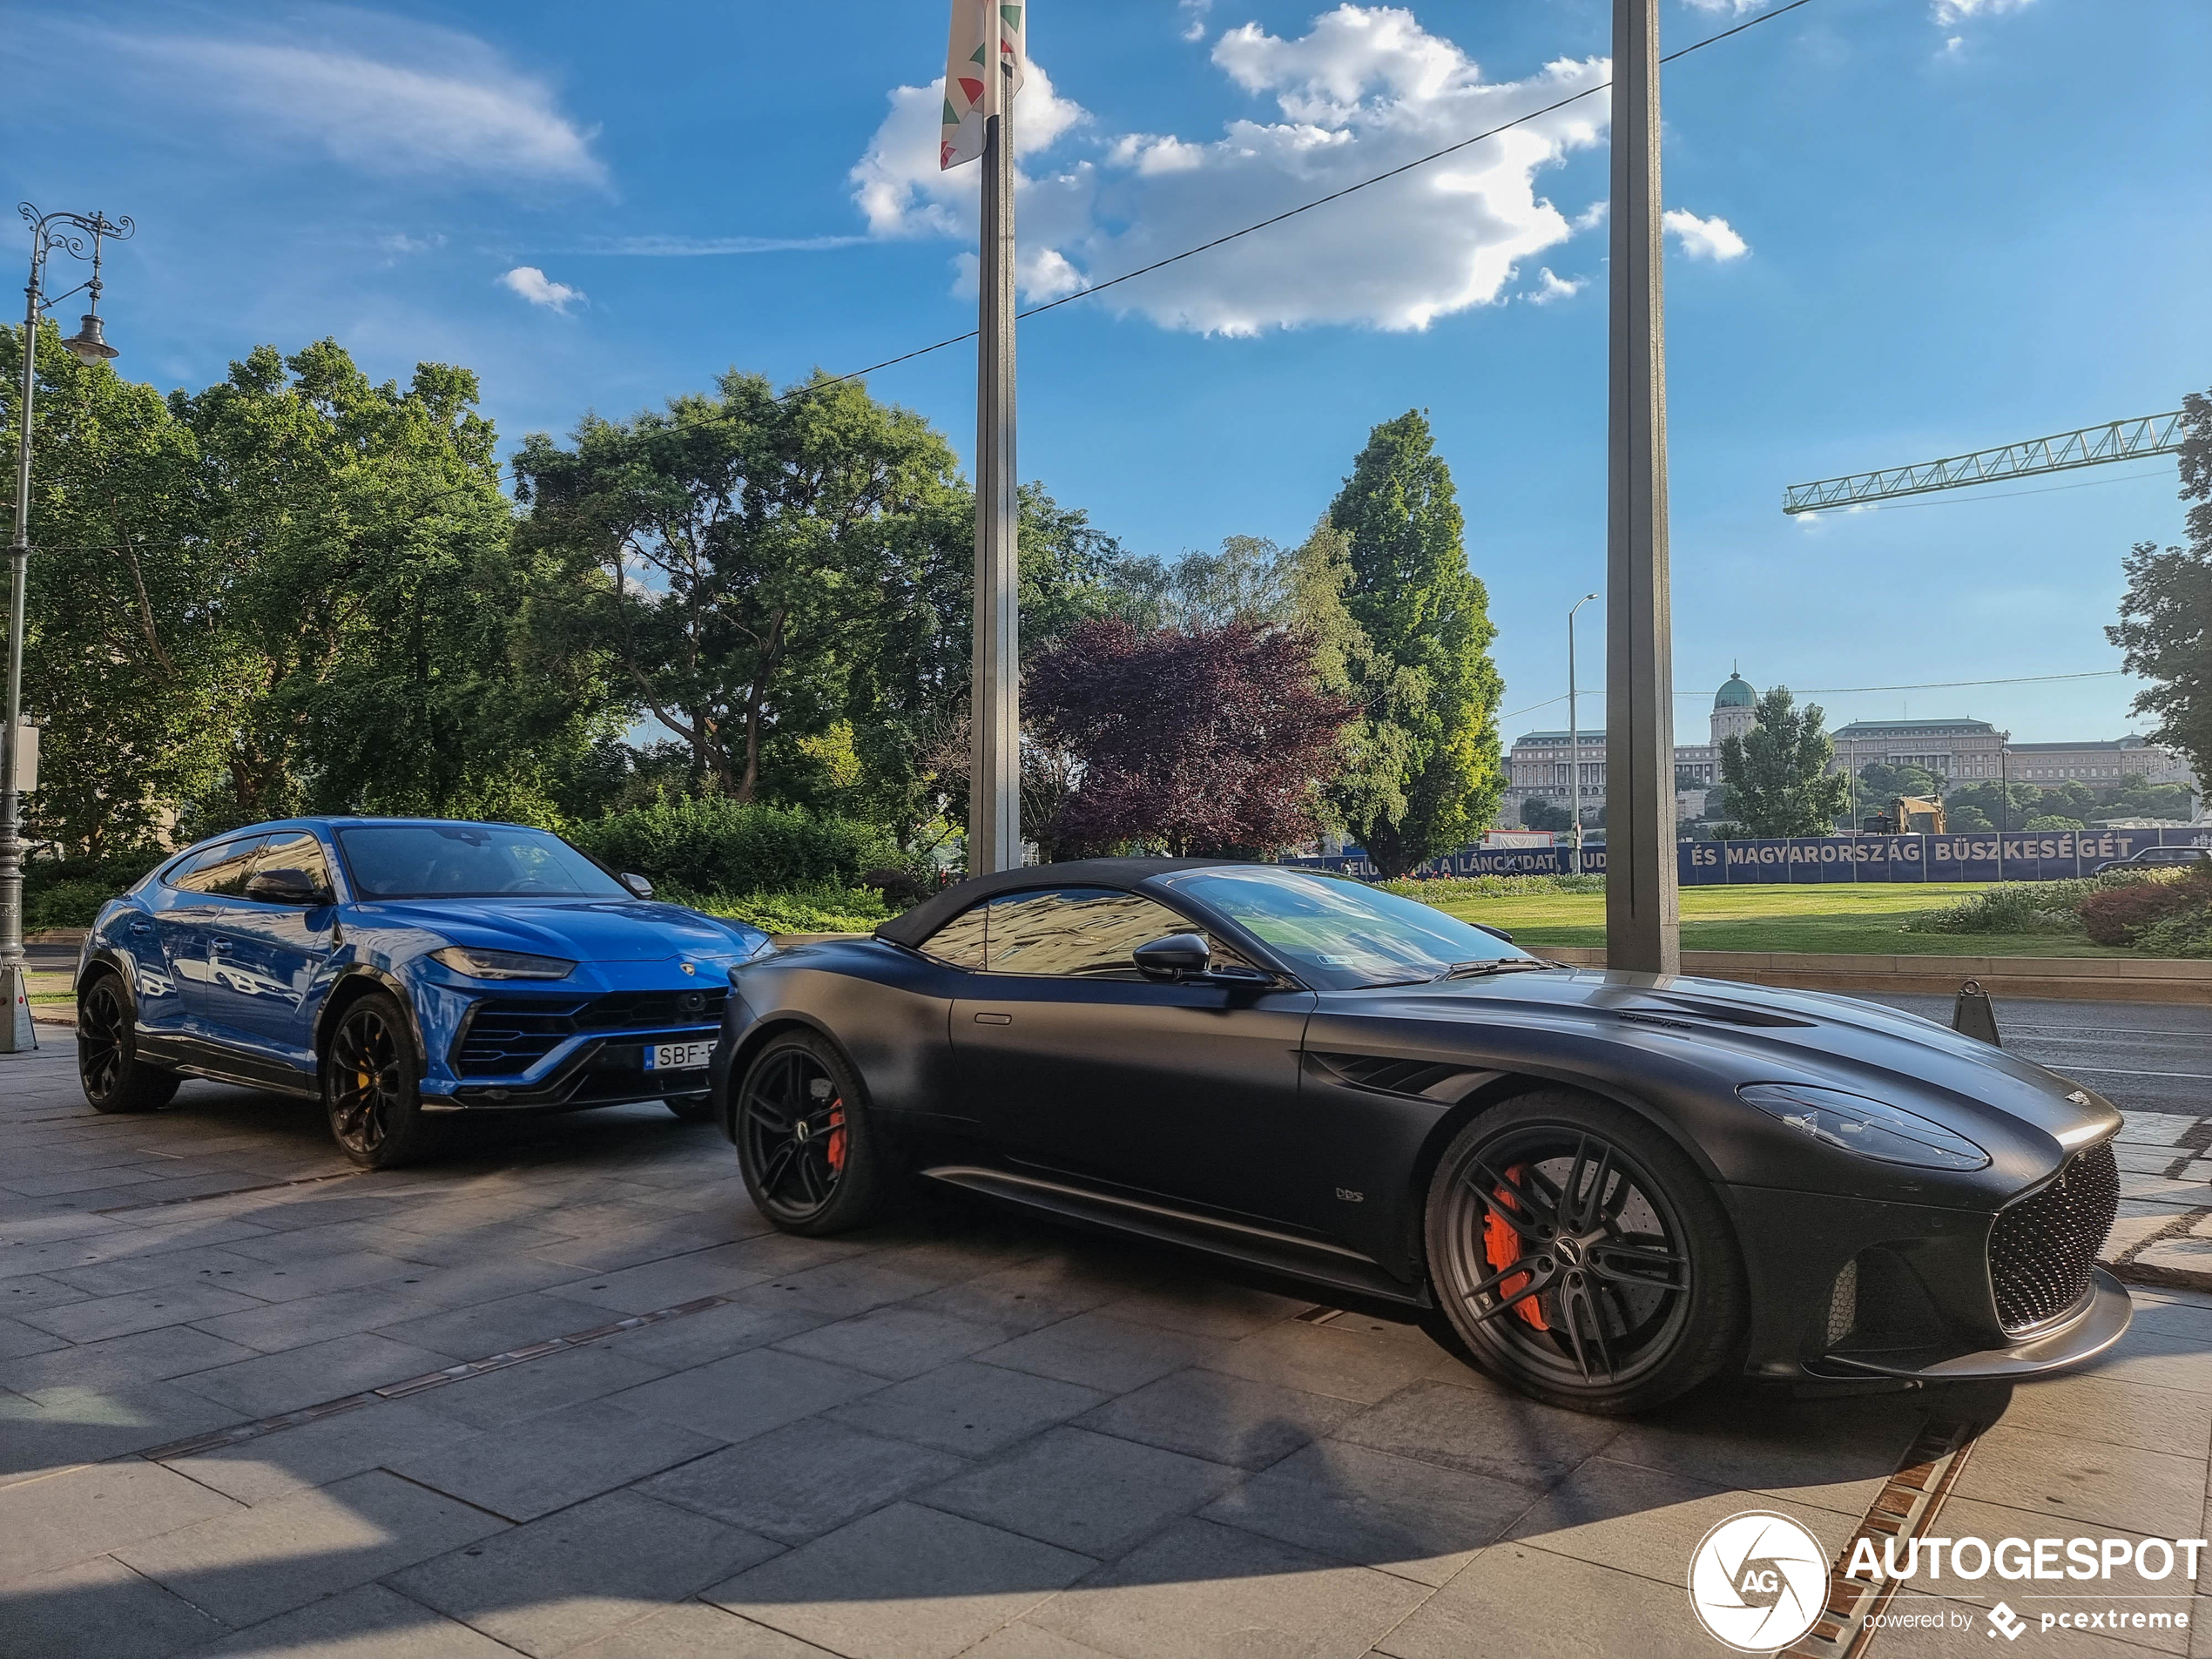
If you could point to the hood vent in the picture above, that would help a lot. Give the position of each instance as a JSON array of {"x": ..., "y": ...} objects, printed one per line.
[
  {"x": 1718, "y": 1013},
  {"x": 1428, "y": 1079}
]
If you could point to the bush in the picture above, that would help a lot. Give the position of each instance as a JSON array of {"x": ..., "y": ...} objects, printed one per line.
[
  {"x": 1450, "y": 889},
  {"x": 2118, "y": 916},
  {"x": 715, "y": 846},
  {"x": 2186, "y": 932},
  {"x": 819, "y": 909},
  {"x": 2008, "y": 907},
  {"x": 68, "y": 893}
]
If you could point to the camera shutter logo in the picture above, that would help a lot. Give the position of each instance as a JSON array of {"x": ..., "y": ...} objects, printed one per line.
[{"x": 1758, "y": 1581}]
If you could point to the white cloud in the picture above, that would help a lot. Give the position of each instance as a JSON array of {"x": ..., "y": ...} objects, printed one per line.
[
  {"x": 1592, "y": 216},
  {"x": 1194, "y": 17},
  {"x": 1365, "y": 88},
  {"x": 680, "y": 247},
  {"x": 1705, "y": 239},
  {"x": 1551, "y": 287},
  {"x": 1726, "y": 8},
  {"x": 380, "y": 93},
  {"x": 540, "y": 290},
  {"x": 401, "y": 242},
  {"x": 1949, "y": 12}
]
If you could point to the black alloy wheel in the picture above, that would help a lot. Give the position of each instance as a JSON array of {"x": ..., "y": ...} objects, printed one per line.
[
  {"x": 370, "y": 1085},
  {"x": 805, "y": 1144},
  {"x": 108, "y": 1066},
  {"x": 1583, "y": 1259}
]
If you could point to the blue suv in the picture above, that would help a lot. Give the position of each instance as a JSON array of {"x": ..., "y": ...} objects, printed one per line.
[{"x": 397, "y": 969}]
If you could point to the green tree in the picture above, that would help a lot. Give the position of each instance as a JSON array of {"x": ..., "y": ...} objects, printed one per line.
[
  {"x": 1878, "y": 785},
  {"x": 1540, "y": 814},
  {"x": 1777, "y": 776},
  {"x": 2165, "y": 626},
  {"x": 1422, "y": 610},
  {"x": 2001, "y": 806}
]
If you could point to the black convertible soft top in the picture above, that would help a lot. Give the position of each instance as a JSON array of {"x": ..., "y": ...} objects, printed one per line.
[{"x": 930, "y": 915}]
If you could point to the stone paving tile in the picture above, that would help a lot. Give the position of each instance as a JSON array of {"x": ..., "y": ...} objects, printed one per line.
[
  {"x": 98, "y": 1609},
  {"x": 1206, "y": 1308},
  {"x": 368, "y": 1622},
  {"x": 2085, "y": 1481},
  {"x": 347, "y": 1270},
  {"x": 571, "y": 1577},
  {"x": 838, "y": 1290},
  {"x": 1031, "y": 1294},
  {"x": 552, "y": 1384},
  {"x": 118, "y": 1316},
  {"x": 1482, "y": 1429},
  {"x": 1833, "y": 1453},
  {"x": 1084, "y": 1492},
  {"x": 1104, "y": 1353},
  {"x": 904, "y": 1583},
  {"x": 533, "y": 1467},
  {"x": 330, "y": 1449},
  {"x": 696, "y": 1339},
  {"x": 969, "y": 1409},
  {"x": 67, "y": 1424},
  {"x": 677, "y": 1272},
  {"x": 1417, "y": 1521},
  {"x": 1224, "y": 1420},
  {"x": 213, "y": 1263},
  {"x": 1022, "y": 1640},
  {"x": 318, "y": 1241},
  {"x": 1320, "y": 1360},
  {"x": 2106, "y": 1408},
  {"x": 87, "y": 1512},
  {"x": 17, "y": 1339},
  {"x": 893, "y": 1343},
  {"x": 284, "y": 1382},
  {"x": 272, "y": 1327},
  {"x": 695, "y": 1630},
  {"x": 69, "y": 1181},
  {"x": 36, "y": 1289},
  {"x": 496, "y": 1326},
  {"x": 120, "y": 1362},
  {"x": 1514, "y": 1600},
  {"x": 1199, "y": 1590},
  {"x": 256, "y": 1563},
  {"x": 748, "y": 1393},
  {"x": 799, "y": 1481}
]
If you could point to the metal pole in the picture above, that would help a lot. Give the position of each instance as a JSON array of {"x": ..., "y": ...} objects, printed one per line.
[
  {"x": 1574, "y": 743},
  {"x": 994, "y": 780},
  {"x": 17, "y": 1034},
  {"x": 1642, "y": 899}
]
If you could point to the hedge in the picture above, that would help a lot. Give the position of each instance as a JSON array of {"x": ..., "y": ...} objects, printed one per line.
[{"x": 717, "y": 846}]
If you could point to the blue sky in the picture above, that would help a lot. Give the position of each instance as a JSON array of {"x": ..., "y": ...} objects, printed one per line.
[{"x": 1910, "y": 228}]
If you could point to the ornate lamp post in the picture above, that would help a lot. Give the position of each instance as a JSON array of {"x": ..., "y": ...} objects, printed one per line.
[{"x": 68, "y": 233}]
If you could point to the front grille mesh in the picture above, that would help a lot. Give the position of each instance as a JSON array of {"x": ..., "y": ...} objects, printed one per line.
[
  {"x": 510, "y": 1034},
  {"x": 2042, "y": 1248}
]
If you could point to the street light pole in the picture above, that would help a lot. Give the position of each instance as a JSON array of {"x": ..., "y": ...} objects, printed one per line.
[
  {"x": 48, "y": 232},
  {"x": 1574, "y": 743}
]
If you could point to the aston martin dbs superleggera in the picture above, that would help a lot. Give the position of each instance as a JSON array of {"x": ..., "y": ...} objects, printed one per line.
[{"x": 1614, "y": 1186}]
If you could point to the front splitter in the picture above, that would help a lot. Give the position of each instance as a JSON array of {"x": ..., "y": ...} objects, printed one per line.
[{"x": 2101, "y": 1321}]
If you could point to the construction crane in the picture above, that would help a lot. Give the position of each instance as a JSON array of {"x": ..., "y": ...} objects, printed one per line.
[{"x": 2090, "y": 445}]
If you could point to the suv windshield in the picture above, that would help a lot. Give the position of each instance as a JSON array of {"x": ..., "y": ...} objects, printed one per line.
[
  {"x": 469, "y": 861},
  {"x": 1340, "y": 935}
]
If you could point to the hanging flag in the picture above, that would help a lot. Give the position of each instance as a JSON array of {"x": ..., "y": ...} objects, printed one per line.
[{"x": 969, "y": 97}]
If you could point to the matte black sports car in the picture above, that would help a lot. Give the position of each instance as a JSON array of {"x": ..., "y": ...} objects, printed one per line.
[{"x": 1614, "y": 1186}]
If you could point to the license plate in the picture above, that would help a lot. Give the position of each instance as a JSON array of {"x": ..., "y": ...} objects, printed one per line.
[{"x": 678, "y": 1056}]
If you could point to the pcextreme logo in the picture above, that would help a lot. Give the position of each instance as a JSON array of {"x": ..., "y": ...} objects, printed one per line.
[{"x": 1758, "y": 1581}]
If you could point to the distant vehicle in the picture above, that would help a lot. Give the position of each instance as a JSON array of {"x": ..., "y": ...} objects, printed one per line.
[
  {"x": 1908, "y": 815},
  {"x": 398, "y": 968},
  {"x": 2155, "y": 858},
  {"x": 1614, "y": 1186}
]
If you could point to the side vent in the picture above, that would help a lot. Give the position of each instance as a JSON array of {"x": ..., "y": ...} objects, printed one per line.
[{"x": 1426, "y": 1079}]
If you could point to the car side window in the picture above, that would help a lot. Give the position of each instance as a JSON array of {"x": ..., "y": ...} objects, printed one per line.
[
  {"x": 221, "y": 870},
  {"x": 959, "y": 943},
  {"x": 1079, "y": 933},
  {"x": 295, "y": 850}
]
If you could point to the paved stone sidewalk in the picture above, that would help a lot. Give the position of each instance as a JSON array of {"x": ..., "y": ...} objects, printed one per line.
[{"x": 959, "y": 1433}]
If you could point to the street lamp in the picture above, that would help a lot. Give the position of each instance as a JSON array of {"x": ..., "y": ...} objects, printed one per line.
[
  {"x": 1575, "y": 745},
  {"x": 66, "y": 232}
]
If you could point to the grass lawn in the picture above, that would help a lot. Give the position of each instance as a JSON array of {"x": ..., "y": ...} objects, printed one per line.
[{"x": 1850, "y": 918}]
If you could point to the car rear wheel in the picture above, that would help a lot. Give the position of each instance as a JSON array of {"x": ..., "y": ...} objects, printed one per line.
[
  {"x": 805, "y": 1145},
  {"x": 370, "y": 1085},
  {"x": 1583, "y": 1259},
  {"x": 114, "y": 1078}
]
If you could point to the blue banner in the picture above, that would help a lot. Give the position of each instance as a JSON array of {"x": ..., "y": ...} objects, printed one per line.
[{"x": 1982, "y": 856}]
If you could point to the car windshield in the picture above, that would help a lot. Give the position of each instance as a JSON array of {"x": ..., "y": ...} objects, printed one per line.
[
  {"x": 1340, "y": 935},
  {"x": 469, "y": 861}
]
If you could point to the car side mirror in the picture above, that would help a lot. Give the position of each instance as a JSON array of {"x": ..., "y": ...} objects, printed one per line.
[
  {"x": 1176, "y": 957},
  {"x": 294, "y": 888},
  {"x": 636, "y": 884}
]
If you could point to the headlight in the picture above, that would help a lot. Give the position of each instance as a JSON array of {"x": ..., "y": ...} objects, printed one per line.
[
  {"x": 1872, "y": 1128},
  {"x": 500, "y": 964}
]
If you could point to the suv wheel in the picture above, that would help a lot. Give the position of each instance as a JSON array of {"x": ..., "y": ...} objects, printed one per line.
[{"x": 114, "y": 1078}]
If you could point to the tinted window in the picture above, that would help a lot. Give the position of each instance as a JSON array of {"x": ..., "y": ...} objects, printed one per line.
[
  {"x": 295, "y": 850},
  {"x": 1339, "y": 934},
  {"x": 469, "y": 861},
  {"x": 221, "y": 869},
  {"x": 1081, "y": 933},
  {"x": 959, "y": 943}
]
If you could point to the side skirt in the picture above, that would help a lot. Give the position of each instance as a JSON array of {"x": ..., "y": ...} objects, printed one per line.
[
  {"x": 195, "y": 1058},
  {"x": 1329, "y": 1264}
]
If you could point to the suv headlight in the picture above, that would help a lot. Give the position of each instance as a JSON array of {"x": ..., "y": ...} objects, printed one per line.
[
  {"x": 500, "y": 964},
  {"x": 1872, "y": 1128}
]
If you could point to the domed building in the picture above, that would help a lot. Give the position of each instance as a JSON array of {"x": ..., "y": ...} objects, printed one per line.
[{"x": 1536, "y": 769}]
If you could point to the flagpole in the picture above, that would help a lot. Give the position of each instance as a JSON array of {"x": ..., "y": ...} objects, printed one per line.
[{"x": 995, "y": 785}]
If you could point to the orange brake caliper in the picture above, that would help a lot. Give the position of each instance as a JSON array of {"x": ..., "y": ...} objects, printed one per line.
[
  {"x": 1501, "y": 1248},
  {"x": 834, "y": 1151}
]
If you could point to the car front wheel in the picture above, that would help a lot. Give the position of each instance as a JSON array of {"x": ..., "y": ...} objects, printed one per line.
[
  {"x": 369, "y": 1084},
  {"x": 114, "y": 1078},
  {"x": 807, "y": 1150},
  {"x": 1580, "y": 1256}
]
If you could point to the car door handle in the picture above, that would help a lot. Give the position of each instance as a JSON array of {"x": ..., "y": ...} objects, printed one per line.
[{"x": 994, "y": 1018}]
